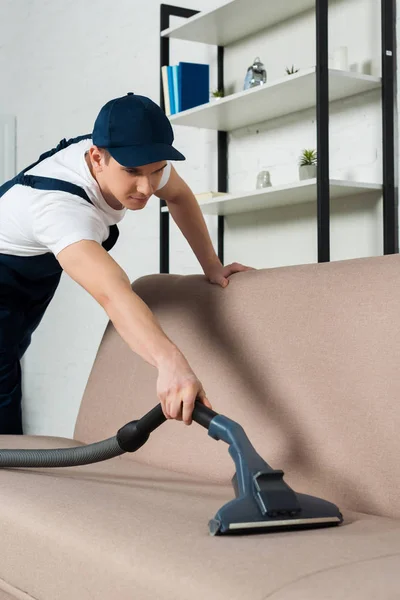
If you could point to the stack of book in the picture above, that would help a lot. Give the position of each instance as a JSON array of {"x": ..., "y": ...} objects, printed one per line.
[{"x": 184, "y": 86}]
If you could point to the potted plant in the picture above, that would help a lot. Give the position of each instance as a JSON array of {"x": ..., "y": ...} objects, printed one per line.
[
  {"x": 308, "y": 164},
  {"x": 217, "y": 94},
  {"x": 291, "y": 71}
]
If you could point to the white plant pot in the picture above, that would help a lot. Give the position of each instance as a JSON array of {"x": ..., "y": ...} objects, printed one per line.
[{"x": 307, "y": 172}]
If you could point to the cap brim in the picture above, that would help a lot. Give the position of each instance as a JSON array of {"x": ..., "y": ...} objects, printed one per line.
[{"x": 137, "y": 156}]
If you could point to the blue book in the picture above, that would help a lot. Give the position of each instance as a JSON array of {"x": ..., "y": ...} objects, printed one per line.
[
  {"x": 175, "y": 75},
  {"x": 171, "y": 91},
  {"x": 194, "y": 84}
]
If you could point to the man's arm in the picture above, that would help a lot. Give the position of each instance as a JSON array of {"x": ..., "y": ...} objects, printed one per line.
[
  {"x": 97, "y": 272},
  {"x": 187, "y": 214}
]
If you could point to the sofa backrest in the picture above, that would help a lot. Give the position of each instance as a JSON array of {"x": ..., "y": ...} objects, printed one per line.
[{"x": 306, "y": 358}]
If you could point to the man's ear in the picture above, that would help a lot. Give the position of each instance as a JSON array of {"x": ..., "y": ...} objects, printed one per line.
[{"x": 97, "y": 158}]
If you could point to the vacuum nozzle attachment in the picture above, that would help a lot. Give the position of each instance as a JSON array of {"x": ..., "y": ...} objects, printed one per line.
[
  {"x": 273, "y": 495},
  {"x": 264, "y": 501}
]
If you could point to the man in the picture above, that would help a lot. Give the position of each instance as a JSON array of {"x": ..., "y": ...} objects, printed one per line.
[{"x": 61, "y": 213}]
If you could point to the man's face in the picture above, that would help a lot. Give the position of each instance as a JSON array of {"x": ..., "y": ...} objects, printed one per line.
[{"x": 123, "y": 186}]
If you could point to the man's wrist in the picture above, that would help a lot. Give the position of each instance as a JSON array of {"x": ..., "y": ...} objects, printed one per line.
[
  {"x": 211, "y": 263},
  {"x": 168, "y": 357}
]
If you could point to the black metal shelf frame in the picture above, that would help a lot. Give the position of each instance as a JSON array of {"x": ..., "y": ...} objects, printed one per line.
[{"x": 389, "y": 130}]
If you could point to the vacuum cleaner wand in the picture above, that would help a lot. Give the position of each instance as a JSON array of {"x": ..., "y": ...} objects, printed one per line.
[{"x": 264, "y": 502}]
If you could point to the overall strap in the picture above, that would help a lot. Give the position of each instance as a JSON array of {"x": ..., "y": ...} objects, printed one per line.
[
  {"x": 51, "y": 184},
  {"x": 60, "y": 146},
  {"x": 63, "y": 144}
]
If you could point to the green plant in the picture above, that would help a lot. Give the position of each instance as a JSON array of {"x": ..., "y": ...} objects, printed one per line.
[
  {"x": 291, "y": 71},
  {"x": 308, "y": 157},
  {"x": 218, "y": 93}
]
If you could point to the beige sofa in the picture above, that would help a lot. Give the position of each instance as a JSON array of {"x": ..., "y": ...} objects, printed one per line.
[{"x": 306, "y": 358}]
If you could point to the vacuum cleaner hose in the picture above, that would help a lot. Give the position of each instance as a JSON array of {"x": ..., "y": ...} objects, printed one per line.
[
  {"x": 62, "y": 457},
  {"x": 129, "y": 438}
]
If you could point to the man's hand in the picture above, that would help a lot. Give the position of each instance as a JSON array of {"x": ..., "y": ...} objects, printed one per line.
[
  {"x": 178, "y": 387},
  {"x": 219, "y": 274}
]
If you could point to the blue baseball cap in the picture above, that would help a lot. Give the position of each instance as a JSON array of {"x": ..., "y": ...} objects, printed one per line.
[{"x": 135, "y": 131}]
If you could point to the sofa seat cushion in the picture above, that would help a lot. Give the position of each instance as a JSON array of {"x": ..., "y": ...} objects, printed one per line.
[
  {"x": 9, "y": 596},
  {"x": 129, "y": 530}
]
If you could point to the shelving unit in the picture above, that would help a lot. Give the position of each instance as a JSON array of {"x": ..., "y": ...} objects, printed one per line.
[
  {"x": 297, "y": 192},
  {"x": 276, "y": 99},
  {"x": 315, "y": 87},
  {"x": 236, "y": 20}
]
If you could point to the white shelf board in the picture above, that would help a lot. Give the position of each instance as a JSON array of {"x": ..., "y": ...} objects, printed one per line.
[
  {"x": 271, "y": 100},
  {"x": 236, "y": 19},
  {"x": 293, "y": 193}
]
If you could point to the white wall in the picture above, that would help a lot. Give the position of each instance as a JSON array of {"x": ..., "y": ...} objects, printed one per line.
[
  {"x": 60, "y": 62},
  {"x": 8, "y": 127}
]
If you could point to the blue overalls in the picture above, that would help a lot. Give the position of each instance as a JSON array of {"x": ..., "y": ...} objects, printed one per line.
[{"x": 27, "y": 284}]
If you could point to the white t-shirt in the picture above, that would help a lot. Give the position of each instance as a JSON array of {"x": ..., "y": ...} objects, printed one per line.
[{"x": 33, "y": 221}]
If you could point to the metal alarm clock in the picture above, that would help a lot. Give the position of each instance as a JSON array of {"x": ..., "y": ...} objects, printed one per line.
[{"x": 256, "y": 75}]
